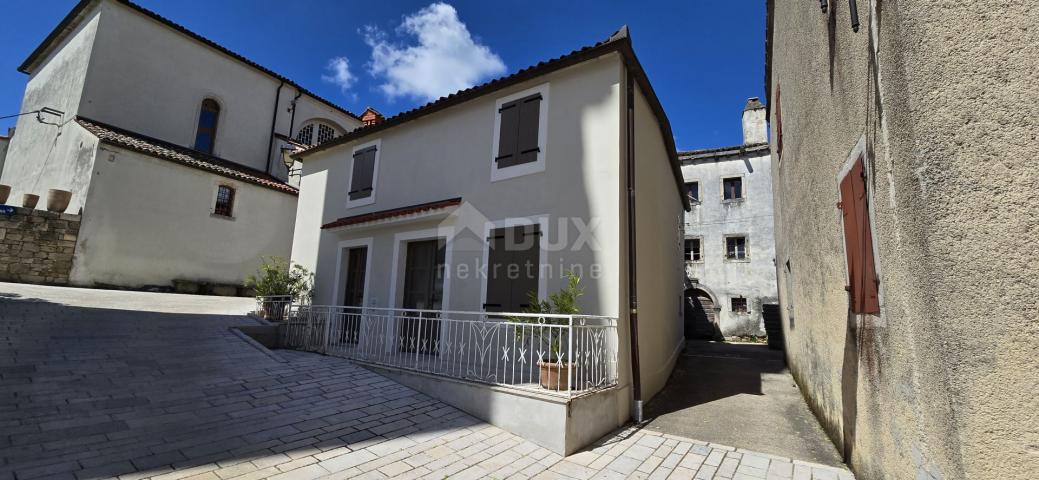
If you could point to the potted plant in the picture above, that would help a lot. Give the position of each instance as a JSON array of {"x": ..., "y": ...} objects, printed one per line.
[
  {"x": 280, "y": 277},
  {"x": 555, "y": 373}
]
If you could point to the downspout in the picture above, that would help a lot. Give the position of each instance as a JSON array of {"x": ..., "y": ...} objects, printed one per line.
[
  {"x": 274, "y": 123},
  {"x": 292, "y": 119},
  {"x": 633, "y": 312}
]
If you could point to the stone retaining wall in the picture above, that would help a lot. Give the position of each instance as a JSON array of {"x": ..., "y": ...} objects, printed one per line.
[{"x": 36, "y": 246}]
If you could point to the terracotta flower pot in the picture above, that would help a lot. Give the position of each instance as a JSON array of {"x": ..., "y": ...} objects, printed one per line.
[
  {"x": 5, "y": 191},
  {"x": 29, "y": 200},
  {"x": 556, "y": 376},
  {"x": 58, "y": 200}
]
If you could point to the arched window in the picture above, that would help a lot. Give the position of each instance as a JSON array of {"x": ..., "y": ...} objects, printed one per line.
[
  {"x": 314, "y": 133},
  {"x": 205, "y": 136}
]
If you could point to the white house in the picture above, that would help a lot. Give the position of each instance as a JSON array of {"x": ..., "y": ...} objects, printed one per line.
[
  {"x": 426, "y": 224},
  {"x": 169, "y": 143},
  {"x": 729, "y": 243}
]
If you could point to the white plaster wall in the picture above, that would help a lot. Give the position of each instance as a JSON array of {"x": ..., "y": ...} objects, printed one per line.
[
  {"x": 148, "y": 221},
  {"x": 41, "y": 157},
  {"x": 448, "y": 154},
  {"x": 658, "y": 220},
  {"x": 712, "y": 220},
  {"x": 149, "y": 78}
]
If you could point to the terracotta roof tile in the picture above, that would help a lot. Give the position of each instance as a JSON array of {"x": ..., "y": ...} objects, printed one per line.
[
  {"x": 182, "y": 155},
  {"x": 393, "y": 212}
]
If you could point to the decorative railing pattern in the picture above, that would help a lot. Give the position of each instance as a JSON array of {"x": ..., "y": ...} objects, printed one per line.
[
  {"x": 564, "y": 355},
  {"x": 274, "y": 308}
]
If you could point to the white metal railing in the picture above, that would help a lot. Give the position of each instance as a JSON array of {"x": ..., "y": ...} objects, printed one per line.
[
  {"x": 564, "y": 355},
  {"x": 274, "y": 308}
]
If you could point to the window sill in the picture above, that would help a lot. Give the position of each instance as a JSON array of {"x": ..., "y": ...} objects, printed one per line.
[
  {"x": 360, "y": 202},
  {"x": 738, "y": 260},
  {"x": 515, "y": 171},
  {"x": 222, "y": 217},
  {"x": 736, "y": 201}
]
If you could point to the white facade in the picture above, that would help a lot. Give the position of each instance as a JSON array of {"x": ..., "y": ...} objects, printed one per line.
[
  {"x": 748, "y": 277},
  {"x": 117, "y": 64},
  {"x": 573, "y": 191}
]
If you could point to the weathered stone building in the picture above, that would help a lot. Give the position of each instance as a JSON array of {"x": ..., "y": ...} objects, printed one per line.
[
  {"x": 903, "y": 145},
  {"x": 729, "y": 246}
]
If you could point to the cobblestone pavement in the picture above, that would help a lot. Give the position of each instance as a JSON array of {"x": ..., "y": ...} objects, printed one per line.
[{"x": 89, "y": 392}]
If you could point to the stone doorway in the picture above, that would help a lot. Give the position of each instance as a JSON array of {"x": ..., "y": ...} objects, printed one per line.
[{"x": 701, "y": 315}]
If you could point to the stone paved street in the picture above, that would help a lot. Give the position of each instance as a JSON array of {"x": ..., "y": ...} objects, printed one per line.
[{"x": 91, "y": 390}]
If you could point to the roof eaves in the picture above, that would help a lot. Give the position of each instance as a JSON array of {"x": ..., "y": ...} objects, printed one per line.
[{"x": 69, "y": 20}]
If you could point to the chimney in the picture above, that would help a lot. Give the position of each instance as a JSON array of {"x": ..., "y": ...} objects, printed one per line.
[
  {"x": 371, "y": 117},
  {"x": 755, "y": 130}
]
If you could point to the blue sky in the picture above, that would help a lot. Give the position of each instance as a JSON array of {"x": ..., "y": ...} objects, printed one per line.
[{"x": 704, "y": 58}]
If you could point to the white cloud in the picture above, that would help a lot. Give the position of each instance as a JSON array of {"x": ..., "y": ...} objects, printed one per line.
[
  {"x": 446, "y": 58},
  {"x": 339, "y": 73}
]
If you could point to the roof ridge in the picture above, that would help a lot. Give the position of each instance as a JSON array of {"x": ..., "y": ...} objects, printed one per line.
[
  {"x": 747, "y": 146},
  {"x": 82, "y": 5}
]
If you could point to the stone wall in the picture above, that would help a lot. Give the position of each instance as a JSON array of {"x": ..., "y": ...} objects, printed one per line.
[{"x": 36, "y": 246}]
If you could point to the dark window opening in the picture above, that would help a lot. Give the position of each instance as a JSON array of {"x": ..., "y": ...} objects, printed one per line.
[
  {"x": 325, "y": 133},
  {"x": 736, "y": 248},
  {"x": 518, "y": 132},
  {"x": 739, "y": 305},
  {"x": 208, "y": 117},
  {"x": 692, "y": 250},
  {"x": 224, "y": 201},
  {"x": 732, "y": 188},
  {"x": 305, "y": 135},
  {"x": 692, "y": 191},
  {"x": 512, "y": 268}
]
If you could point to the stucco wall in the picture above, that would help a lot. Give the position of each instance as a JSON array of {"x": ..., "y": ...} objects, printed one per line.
[
  {"x": 658, "y": 253},
  {"x": 43, "y": 156},
  {"x": 151, "y": 79},
  {"x": 940, "y": 385},
  {"x": 711, "y": 220},
  {"x": 148, "y": 221}
]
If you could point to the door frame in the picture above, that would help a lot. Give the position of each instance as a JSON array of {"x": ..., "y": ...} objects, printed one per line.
[
  {"x": 395, "y": 300},
  {"x": 340, "y": 279},
  {"x": 542, "y": 222}
]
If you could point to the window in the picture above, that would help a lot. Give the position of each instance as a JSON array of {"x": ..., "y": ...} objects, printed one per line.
[
  {"x": 732, "y": 188},
  {"x": 738, "y": 305},
  {"x": 205, "y": 135},
  {"x": 736, "y": 248},
  {"x": 692, "y": 250},
  {"x": 224, "y": 201},
  {"x": 520, "y": 134},
  {"x": 513, "y": 264},
  {"x": 362, "y": 175},
  {"x": 323, "y": 132},
  {"x": 692, "y": 190},
  {"x": 858, "y": 241}
]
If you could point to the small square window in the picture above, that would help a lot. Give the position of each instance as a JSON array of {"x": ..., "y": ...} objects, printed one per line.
[
  {"x": 224, "y": 201},
  {"x": 732, "y": 188},
  {"x": 692, "y": 191},
  {"x": 693, "y": 253},
  {"x": 739, "y": 305},
  {"x": 736, "y": 248}
]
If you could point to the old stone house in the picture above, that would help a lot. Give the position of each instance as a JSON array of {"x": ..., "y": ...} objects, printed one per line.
[
  {"x": 173, "y": 159},
  {"x": 729, "y": 246},
  {"x": 903, "y": 147}
]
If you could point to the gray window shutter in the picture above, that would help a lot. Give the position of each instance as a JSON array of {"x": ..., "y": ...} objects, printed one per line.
[
  {"x": 507, "y": 136},
  {"x": 363, "y": 172},
  {"x": 529, "y": 116}
]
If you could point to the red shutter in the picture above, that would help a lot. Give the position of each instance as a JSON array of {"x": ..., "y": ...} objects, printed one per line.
[{"x": 858, "y": 242}]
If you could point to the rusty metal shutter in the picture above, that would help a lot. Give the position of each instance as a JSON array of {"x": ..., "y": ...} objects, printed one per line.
[
  {"x": 363, "y": 172},
  {"x": 858, "y": 242}
]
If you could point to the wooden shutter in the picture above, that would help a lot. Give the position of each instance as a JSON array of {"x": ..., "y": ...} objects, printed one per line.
[
  {"x": 508, "y": 136},
  {"x": 498, "y": 258},
  {"x": 515, "y": 251},
  {"x": 779, "y": 122},
  {"x": 363, "y": 172},
  {"x": 530, "y": 115},
  {"x": 858, "y": 242},
  {"x": 526, "y": 256}
]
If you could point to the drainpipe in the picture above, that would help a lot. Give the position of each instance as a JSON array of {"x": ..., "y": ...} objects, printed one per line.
[
  {"x": 292, "y": 119},
  {"x": 274, "y": 123},
  {"x": 633, "y": 312}
]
